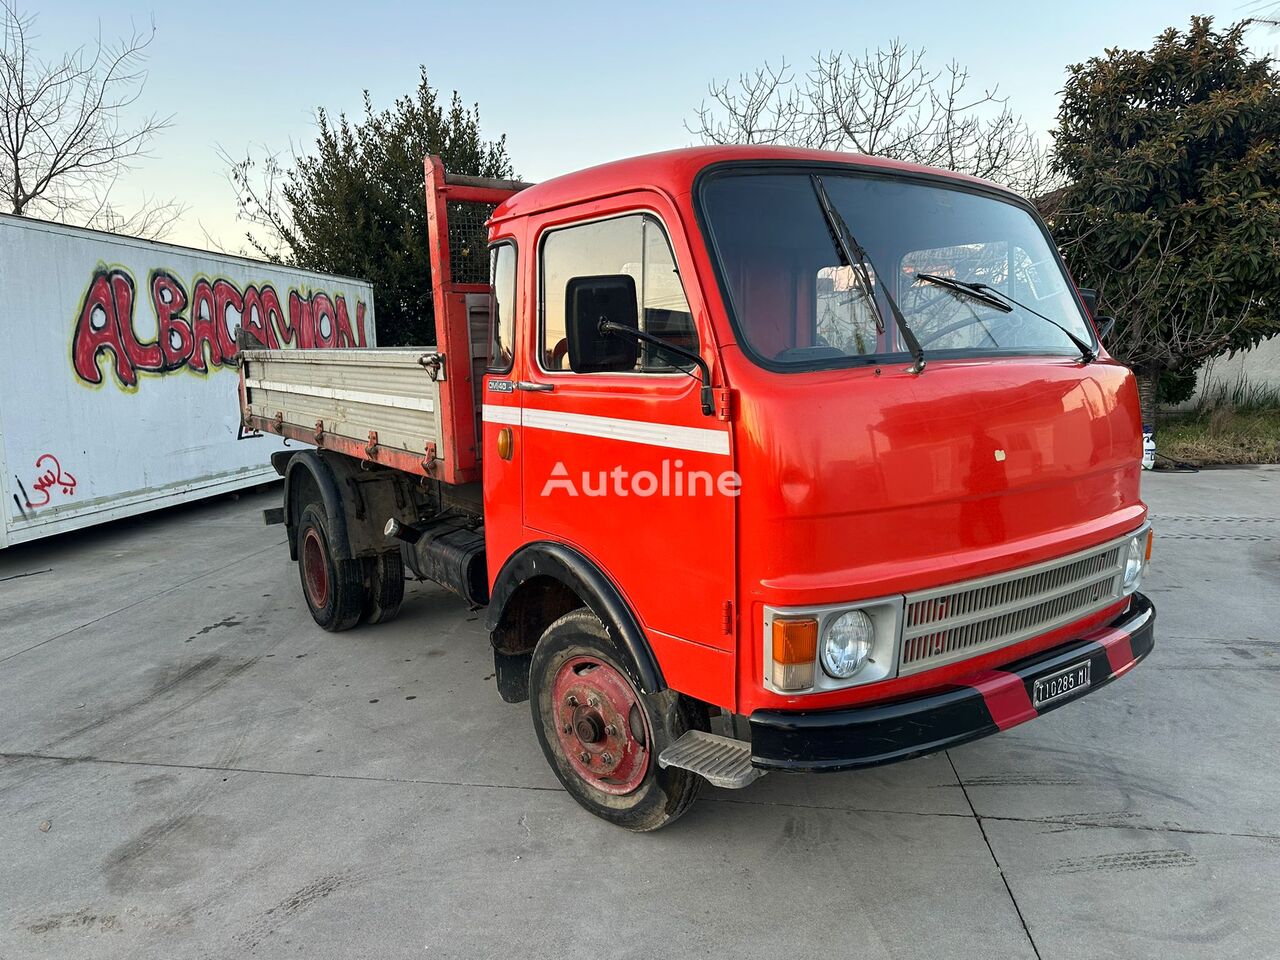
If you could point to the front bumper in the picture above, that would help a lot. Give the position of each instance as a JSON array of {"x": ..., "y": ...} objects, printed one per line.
[{"x": 982, "y": 704}]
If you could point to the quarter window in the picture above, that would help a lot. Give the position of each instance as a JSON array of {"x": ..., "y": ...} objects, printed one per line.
[
  {"x": 635, "y": 245},
  {"x": 502, "y": 315}
]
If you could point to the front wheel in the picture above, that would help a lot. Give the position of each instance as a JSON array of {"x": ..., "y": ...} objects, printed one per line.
[{"x": 601, "y": 735}]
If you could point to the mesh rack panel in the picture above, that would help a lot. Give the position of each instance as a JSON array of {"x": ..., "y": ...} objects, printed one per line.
[{"x": 469, "y": 241}]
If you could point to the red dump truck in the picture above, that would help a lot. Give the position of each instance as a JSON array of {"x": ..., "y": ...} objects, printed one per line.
[{"x": 759, "y": 459}]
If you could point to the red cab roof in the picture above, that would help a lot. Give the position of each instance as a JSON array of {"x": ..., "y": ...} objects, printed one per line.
[{"x": 672, "y": 172}]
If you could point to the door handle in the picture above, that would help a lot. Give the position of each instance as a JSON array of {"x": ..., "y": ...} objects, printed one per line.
[{"x": 529, "y": 386}]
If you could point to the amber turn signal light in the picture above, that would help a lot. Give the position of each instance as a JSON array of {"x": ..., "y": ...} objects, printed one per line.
[
  {"x": 795, "y": 641},
  {"x": 795, "y": 649}
]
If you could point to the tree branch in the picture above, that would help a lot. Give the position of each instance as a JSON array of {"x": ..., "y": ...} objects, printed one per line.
[{"x": 64, "y": 142}]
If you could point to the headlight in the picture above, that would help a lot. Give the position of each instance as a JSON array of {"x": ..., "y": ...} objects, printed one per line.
[
  {"x": 831, "y": 647},
  {"x": 1133, "y": 562},
  {"x": 846, "y": 644}
]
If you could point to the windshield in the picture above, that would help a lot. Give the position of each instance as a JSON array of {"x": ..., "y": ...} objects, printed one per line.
[{"x": 794, "y": 301}]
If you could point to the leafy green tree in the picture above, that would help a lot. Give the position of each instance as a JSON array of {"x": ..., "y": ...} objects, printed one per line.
[
  {"x": 355, "y": 205},
  {"x": 1171, "y": 160}
]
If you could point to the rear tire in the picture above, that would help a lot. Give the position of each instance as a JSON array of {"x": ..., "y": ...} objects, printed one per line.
[
  {"x": 585, "y": 706},
  {"x": 384, "y": 593},
  {"x": 333, "y": 589}
]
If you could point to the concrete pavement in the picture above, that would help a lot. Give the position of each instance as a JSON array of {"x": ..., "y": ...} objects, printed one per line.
[{"x": 190, "y": 768}]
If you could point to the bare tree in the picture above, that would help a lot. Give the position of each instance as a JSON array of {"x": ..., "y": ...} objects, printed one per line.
[
  {"x": 64, "y": 138},
  {"x": 888, "y": 103},
  {"x": 259, "y": 184},
  {"x": 1265, "y": 13}
]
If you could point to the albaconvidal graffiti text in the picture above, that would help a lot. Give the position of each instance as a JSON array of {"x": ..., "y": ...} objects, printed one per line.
[{"x": 195, "y": 328}]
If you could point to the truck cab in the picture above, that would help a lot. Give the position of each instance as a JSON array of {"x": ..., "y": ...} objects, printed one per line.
[{"x": 790, "y": 460}]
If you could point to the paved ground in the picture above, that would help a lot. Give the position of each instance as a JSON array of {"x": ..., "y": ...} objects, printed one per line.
[{"x": 190, "y": 768}]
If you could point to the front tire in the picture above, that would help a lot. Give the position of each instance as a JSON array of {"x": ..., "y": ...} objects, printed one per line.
[{"x": 601, "y": 735}]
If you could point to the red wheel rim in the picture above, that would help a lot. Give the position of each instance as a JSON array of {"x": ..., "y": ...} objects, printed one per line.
[
  {"x": 315, "y": 572},
  {"x": 602, "y": 729}
]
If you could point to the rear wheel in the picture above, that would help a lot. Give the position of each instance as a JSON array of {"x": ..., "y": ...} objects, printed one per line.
[
  {"x": 333, "y": 588},
  {"x": 384, "y": 590},
  {"x": 601, "y": 735}
]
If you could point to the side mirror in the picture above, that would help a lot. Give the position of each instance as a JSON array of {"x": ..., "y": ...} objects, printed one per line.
[
  {"x": 1090, "y": 298},
  {"x": 1105, "y": 325},
  {"x": 589, "y": 301}
]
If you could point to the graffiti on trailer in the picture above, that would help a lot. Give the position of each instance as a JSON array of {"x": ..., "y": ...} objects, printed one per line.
[
  {"x": 50, "y": 477},
  {"x": 195, "y": 329}
]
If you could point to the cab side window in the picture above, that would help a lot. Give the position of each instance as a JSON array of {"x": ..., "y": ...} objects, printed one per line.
[
  {"x": 502, "y": 316},
  {"x": 635, "y": 245}
]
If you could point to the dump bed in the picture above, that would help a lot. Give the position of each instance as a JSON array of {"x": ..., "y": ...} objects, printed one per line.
[
  {"x": 411, "y": 408},
  {"x": 379, "y": 404}
]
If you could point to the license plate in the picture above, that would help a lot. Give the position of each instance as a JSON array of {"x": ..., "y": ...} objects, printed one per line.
[{"x": 1061, "y": 683}]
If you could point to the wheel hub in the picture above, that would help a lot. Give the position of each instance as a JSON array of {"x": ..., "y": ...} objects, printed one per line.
[
  {"x": 601, "y": 726},
  {"x": 315, "y": 571},
  {"x": 589, "y": 728}
]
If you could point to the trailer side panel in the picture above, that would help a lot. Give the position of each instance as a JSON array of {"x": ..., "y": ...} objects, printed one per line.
[{"x": 118, "y": 377}]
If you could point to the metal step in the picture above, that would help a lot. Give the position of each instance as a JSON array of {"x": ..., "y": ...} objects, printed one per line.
[{"x": 721, "y": 761}]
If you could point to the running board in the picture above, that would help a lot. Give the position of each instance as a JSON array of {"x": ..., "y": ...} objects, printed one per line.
[{"x": 721, "y": 761}]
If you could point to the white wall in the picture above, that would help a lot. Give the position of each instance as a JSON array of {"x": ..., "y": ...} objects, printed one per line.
[{"x": 1261, "y": 365}]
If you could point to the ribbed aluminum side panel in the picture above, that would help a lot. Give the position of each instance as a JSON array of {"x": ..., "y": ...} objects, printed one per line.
[
  {"x": 353, "y": 392},
  {"x": 962, "y": 620}
]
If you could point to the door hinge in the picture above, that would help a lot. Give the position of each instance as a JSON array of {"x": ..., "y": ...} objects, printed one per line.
[
  {"x": 433, "y": 363},
  {"x": 724, "y": 403},
  {"x": 726, "y": 617}
]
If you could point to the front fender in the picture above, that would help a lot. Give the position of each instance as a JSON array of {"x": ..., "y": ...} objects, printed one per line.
[{"x": 562, "y": 563}]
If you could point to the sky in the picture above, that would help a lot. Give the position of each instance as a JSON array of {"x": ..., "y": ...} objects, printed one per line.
[{"x": 570, "y": 84}]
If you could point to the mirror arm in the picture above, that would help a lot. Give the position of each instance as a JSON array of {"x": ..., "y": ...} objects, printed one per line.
[
  {"x": 1105, "y": 326},
  {"x": 707, "y": 397}
]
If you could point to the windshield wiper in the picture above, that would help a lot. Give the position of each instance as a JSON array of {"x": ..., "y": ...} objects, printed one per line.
[
  {"x": 855, "y": 256},
  {"x": 965, "y": 290},
  {"x": 1087, "y": 353}
]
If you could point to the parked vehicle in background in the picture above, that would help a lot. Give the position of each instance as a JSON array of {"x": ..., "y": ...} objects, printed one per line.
[
  {"x": 117, "y": 379},
  {"x": 760, "y": 459}
]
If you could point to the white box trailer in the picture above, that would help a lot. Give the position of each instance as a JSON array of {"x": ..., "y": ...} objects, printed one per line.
[{"x": 118, "y": 385}]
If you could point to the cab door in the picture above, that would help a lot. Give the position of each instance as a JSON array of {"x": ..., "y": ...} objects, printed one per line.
[{"x": 624, "y": 465}]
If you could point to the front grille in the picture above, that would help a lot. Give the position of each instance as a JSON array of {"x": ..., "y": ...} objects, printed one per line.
[{"x": 961, "y": 620}]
